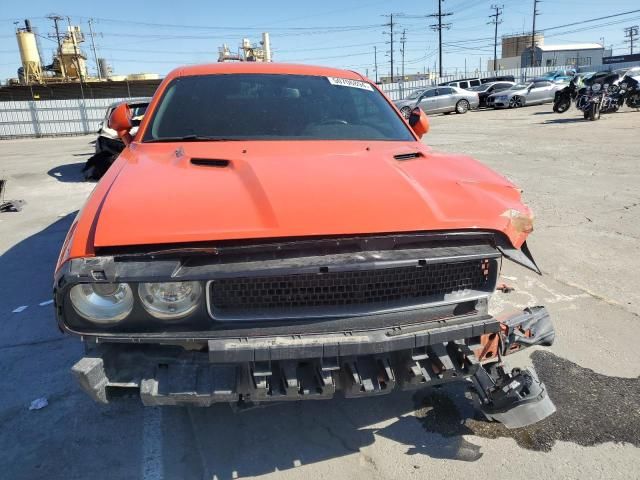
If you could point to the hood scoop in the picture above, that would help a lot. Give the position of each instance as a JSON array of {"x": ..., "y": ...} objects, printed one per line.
[
  {"x": 210, "y": 162},
  {"x": 408, "y": 156}
]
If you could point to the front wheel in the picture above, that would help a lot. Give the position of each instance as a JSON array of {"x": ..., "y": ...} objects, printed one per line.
[
  {"x": 462, "y": 106},
  {"x": 516, "y": 102},
  {"x": 594, "y": 112},
  {"x": 562, "y": 106}
]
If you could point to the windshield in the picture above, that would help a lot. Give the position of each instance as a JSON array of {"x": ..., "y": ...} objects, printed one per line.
[
  {"x": 415, "y": 95},
  {"x": 520, "y": 86},
  {"x": 273, "y": 107}
]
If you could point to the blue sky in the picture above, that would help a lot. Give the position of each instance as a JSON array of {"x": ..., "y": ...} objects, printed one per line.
[{"x": 140, "y": 36}]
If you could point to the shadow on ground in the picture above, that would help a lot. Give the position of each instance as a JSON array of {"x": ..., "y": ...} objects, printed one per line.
[
  {"x": 70, "y": 172},
  {"x": 74, "y": 438},
  {"x": 591, "y": 409}
]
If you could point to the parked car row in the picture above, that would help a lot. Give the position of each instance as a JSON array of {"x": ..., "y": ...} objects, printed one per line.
[{"x": 495, "y": 94}]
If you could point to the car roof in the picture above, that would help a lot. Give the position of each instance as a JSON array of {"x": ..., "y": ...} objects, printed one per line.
[{"x": 225, "y": 68}]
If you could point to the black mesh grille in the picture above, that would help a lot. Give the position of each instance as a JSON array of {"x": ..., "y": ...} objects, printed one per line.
[{"x": 398, "y": 286}]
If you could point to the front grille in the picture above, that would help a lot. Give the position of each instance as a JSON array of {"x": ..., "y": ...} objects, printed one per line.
[{"x": 349, "y": 292}]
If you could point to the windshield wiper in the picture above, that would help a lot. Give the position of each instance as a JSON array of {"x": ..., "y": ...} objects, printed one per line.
[{"x": 191, "y": 138}]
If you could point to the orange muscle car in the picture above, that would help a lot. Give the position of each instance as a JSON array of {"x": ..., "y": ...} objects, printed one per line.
[{"x": 280, "y": 232}]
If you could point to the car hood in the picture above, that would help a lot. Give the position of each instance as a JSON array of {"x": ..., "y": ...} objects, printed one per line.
[
  {"x": 509, "y": 93},
  {"x": 403, "y": 103},
  {"x": 155, "y": 194}
]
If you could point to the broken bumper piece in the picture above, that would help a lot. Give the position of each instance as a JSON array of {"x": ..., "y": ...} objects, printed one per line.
[{"x": 252, "y": 370}]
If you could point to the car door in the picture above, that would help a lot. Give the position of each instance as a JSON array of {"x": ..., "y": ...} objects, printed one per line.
[
  {"x": 446, "y": 99},
  {"x": 428, "y": 101},
  {"x": 539, "y": 92}
]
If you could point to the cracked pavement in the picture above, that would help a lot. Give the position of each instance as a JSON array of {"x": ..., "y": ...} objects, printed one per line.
[{"x": 581, "y": 179}]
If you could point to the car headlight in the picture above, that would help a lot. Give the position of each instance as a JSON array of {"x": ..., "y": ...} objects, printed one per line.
[
  {"x": 170, "y": 300},
  {"x": 102, "y": 302},
  {"x": 596, "y": 87}
]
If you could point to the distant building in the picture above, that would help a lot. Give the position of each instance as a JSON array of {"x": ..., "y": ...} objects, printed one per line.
[
  {"x": 514, "y": 45},
  {"x": 575, "y": 54}
]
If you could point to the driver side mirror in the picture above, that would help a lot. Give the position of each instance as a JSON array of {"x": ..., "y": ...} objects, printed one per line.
[
  {"x": 419, "y": 122},
  {"x": 120, "y": 121}
]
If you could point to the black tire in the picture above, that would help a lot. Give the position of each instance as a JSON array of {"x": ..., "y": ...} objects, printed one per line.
[
  {"x": 562, "y": 106},
  {"x": 462, "y": 107},
  {"x": 594, "y": 112},
  {"x": 406, "y": 112}
]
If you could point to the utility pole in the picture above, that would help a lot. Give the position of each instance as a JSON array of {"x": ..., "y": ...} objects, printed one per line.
[
  {"x": 56, "y": 19},
  {"x": 390, "y": 25},
  {"x": 375, "y": 61},
  {"x": 496, "y": 21},
  {"x": 93, "y": 47},
  {"x": 533, "y": 32},
  {"x": 403, "y": 40},
  {"x": 439, "y": 26},
  {"x": 632, "y": 34}
]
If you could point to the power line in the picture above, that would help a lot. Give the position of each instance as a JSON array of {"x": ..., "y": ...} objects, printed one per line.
[
  {"x": 632, "y": 34},
  {"x": 439, "y": 26},
  {"x": 496, "y": 21}
]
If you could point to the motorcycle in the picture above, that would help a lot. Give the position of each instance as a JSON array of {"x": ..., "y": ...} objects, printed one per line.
[
  {"x": 630, "y": 91},
  {"x": 601, "y": 94},
  {"x": 564, "y": 97}
]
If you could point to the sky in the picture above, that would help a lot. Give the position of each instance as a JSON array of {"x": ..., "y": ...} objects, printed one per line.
[{"x": 142, "y": 36}]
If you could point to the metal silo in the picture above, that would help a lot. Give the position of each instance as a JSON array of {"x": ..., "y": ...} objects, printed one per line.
[{"x": 29, "y": 55}]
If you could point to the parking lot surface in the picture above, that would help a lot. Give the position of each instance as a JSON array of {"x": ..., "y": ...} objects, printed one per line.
[{"x": 581, "y": 179}]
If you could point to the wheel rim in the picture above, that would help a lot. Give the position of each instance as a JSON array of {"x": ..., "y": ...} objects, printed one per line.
[
  {"x": 463, "y": 106},
  {"x": 405, "y": 111},
  {"x": 518, "y": 102}
]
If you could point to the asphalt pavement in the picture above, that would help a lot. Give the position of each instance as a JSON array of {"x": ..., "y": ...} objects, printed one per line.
[{"x": 581, "y": 179}]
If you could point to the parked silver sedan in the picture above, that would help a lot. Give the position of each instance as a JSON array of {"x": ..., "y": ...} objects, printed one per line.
[
  {"x": 439, "y": 100},
  {"x": 528, "y": 93}
]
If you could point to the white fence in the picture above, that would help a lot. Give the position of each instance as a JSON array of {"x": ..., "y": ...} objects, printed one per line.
[{"x": 43, "y": 118}]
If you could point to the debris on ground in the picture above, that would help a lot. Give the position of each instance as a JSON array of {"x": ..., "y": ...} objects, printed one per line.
[
  {"x": 9, "y": 205},
  {"x": 97, "y": 165},
  {"x": 20, "y": 309},
  {"x": 504, "y": 288},
  {"x": 45, "y": 303},
  {"x": 39, "y": 403}
]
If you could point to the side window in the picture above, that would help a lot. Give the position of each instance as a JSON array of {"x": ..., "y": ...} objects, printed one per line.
[
  {"x": 430, "y": 93},
  {"x": 541, "y": 84},
  {"x": 464, "y": 85},
  {"x": 475, "y": 83},
  {"x": 501, "y": 86},
  {"x": 445, "y": 91}
]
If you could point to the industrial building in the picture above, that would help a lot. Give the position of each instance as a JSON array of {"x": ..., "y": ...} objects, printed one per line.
[
  {"x": 576, "y": 55},
  {"x": 516, "y": 53}
]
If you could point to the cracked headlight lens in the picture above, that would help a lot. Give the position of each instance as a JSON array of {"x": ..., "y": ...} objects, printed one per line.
[
  {"x": 170, "y": 300},
  {"x": 102, "y": 302}
]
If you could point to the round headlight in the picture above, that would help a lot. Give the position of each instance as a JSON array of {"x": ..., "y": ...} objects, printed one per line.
[
  {"x": 170, "y": 300},
  {"x": 596, "y": 87},
  {"x": 102, "y": 302}
]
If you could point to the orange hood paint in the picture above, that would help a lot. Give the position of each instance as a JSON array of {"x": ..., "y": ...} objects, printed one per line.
[{"x": 153, "y": 194}]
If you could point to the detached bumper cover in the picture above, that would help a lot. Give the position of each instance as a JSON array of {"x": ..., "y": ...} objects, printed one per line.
[{"x": 306, "y": 367}]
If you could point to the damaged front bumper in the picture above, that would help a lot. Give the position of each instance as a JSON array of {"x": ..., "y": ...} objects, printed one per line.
[{"x": 359, "y": 364}]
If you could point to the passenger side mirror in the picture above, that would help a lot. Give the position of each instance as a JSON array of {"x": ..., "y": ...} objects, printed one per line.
[
  {"x": 120, "y": 121},
  {"x": 419, "y": 122}
]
